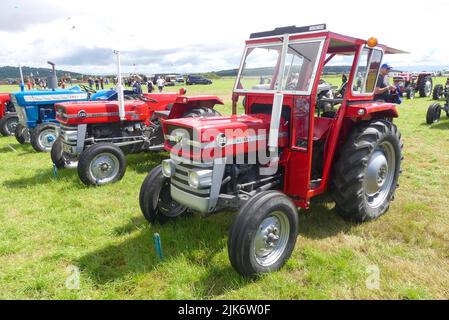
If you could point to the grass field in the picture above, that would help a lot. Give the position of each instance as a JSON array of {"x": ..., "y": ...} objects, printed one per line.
[{"x": 53, "y": 229}]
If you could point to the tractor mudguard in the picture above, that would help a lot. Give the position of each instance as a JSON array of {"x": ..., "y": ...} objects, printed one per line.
[
  {"x": 183, "y": 104},
  {"x": 366, "y": 111}
]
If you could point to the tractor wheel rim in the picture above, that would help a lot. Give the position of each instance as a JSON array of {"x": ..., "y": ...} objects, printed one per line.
[
  {"x": 271, "y": 238},
  {"x": 379, "y": 175},
  {"x": 104, "y": 168},
  {"x": 11, "y": 126},
  {"x": 428, "y": 88},
  {"x": 165, "y": 203},
  {"x": 46, "y": 139}
]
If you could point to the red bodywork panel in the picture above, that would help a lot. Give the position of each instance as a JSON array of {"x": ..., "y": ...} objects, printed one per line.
[
  {"x": 244, "y": 134},
  {"x": 4, "y": 98},
  {"x": 365, "y": 111}
]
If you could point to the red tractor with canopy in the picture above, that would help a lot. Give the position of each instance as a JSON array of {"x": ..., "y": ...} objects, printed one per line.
[{"x": 291, "y": 144}]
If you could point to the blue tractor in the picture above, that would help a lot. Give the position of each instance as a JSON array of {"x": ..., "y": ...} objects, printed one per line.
[{"x": 36, "y": 112}]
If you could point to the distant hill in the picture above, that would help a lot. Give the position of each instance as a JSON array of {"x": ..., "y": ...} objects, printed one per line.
[{"x": 9, "y": 72}]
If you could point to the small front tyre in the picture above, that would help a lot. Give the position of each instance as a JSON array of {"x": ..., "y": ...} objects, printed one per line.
[
  {"x": 22, "y": 134},
  {"x": 43, "y": 136},
  {"x": 433, "y": 113},
  {"x": 101, "y": 164},
  {"x": 58, "y": 156},
  {"x": 263, "y": 234},
  {"x": 8, "y": 124},
  {"x": 155, "y": 200}
]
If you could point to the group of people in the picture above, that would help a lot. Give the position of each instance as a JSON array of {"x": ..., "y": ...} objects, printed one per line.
[
  {"x": 99, "y": 83},
  {"x": 33, "y": 83}
]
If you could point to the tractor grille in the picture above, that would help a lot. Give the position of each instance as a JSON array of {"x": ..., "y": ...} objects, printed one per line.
[
  {"x": 181, "y": 179},
  {"x": 68, "y": 134}
]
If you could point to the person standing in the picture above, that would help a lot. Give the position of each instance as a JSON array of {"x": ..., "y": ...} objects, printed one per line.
[
  {"x": 97, "y": 84},
  {"x": 91, "y": 83},
  {"x": 102, "y": 83},
  {"x": 160, "y": 84},
  {"x": 150, "y": 86}
]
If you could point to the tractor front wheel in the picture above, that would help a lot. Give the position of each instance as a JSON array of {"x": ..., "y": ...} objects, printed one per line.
[
  {"x": 438, "y": 92},
  {"x": 58, "y": 156},
  {"x": 8, "y": 124},
  {"x": 43, "y": 136},
  {"x": 425, "y": 87},
  {"x": 366, "y": 175},
  {"x": 101, "y": 164},
  {"x": 410, "y": 93},
  {"x": 22, "y": 134},
  {"x": 263, "y": 234},
  {"x": 155, "y": 200},
  {"x": 433, "y": 113}
]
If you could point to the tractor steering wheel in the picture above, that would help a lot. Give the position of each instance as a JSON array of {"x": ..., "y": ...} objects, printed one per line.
[
  {"x": 87, "y": 89},
  {"x": 146, "y": 99}
]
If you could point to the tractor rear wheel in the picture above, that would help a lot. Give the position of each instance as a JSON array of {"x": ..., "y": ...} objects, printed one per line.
[
  {"x": 263, "y": 234},
  {"x": 22, "y": 134},
  {"x": 101, "y": 164},
  {"x": 8, "y": 124},
  {"x": 43, "y": 136},
  {"x": 155, "y": 200},
  {"x": 366, "y": 175},
  {"x": 425, "y": 87},
  {"x": 433, "y": 113},
  {"x": 438, "y": 92}
]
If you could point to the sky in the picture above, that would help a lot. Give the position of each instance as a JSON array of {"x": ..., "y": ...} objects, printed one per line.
[{"x": 202, "y": 36}]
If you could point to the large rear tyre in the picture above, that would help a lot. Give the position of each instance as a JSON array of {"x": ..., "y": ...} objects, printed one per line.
[
  {"x": 366, "y": 175},
  {"x": 155, "y": 200},
  {"x": 433, "y": 113},
  {"x": 22, "y": 134},
  {"x": 263, "y": 234},
  {"x": 438, "y": 92},
  {"x": 425, "y": 87},
  {"x": 43, "y": 136},
  {"x": 8, "y": 124},
  {"x": 101, "y": 164}
]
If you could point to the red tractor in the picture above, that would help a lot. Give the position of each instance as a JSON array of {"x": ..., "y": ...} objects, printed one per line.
[
  {"x": 284, "y": 150},
  {"x": 8, "y": 115},
  {"x": 95, "y": 138},
  {"x": 408, "y": 84}
]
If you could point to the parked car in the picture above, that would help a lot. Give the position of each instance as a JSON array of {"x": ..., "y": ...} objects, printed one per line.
[
  {"x": 191, "y": 79},
  {"x": 180, "y": 79}
]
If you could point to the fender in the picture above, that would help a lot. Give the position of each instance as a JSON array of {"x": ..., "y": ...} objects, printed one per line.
[
  {"x": 183, "y": 104},
  {"x": 369, "y": 110},
  {"x": 4, "y": 100}
]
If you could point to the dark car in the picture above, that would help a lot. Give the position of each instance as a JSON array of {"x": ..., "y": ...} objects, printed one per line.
[{"x": 197, "y": 80}]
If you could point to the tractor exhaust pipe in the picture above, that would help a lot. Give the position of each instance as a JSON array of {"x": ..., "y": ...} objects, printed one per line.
[
  {"x": 121, "y": 99},
  {"x": 52, "y": 79},
  {"x": 22, "y": 83}
]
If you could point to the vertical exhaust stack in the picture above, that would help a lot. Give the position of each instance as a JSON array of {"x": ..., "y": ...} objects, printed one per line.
[
  {"x": 121, "y": 99},
  {"x": 22, "y": 82},
  {"x": 53, "y": 79}
]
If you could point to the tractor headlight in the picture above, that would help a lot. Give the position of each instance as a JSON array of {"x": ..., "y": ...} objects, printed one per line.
[
  {"x": 200, "y": 178},
  {"x": 168, "y": 168}
]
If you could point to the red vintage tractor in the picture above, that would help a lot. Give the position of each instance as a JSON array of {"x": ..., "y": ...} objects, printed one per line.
[
  {"x": 94, "y": 138},
  {"x": 8, "y": 115},
  {"x": 408, "y": 84},
  {"x": 284, "y": 150}
]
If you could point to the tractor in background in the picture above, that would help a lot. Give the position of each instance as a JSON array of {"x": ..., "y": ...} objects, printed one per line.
[
  {"x": 441, "y": 91},
  {"x": 285, "y": 150},
  {"x": 94, "y": 136},
  {"x": 434, "y": 111},
  {"x": 8, "y": 116},
  {"x": 409, "y": 84}
]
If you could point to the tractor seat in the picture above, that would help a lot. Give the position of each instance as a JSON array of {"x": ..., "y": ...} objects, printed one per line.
[
  {"x": 162, "y": 114},
  {"x": 321, "y": 128}
]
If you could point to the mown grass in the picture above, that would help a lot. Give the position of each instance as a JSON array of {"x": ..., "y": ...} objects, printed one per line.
[{"x": 48, "y": 225}]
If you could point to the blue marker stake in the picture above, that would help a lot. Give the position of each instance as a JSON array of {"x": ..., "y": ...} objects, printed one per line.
[
  {"x": 157, "y": 245},
  {"x": 55, "y": 172}
]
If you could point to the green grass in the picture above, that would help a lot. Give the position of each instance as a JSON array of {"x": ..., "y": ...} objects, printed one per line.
[{"x": 49, "y": 224}]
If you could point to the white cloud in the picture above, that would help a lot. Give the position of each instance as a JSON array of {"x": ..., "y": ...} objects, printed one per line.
[{"x": 200, "y": 35}]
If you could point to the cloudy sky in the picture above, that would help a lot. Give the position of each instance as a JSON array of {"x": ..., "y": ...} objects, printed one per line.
[{"x": 202, "y": 35}]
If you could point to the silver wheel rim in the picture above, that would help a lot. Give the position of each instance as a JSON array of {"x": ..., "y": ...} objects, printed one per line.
[
  {"x": 379, "y": 175},
  {"x": 104, "y": 167},
  {"x": 271, "y": 238},
  {"x": 46, "y": 139},
  {"x": 11, "y": 126},
  {"x": 428, "y": 88}
]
